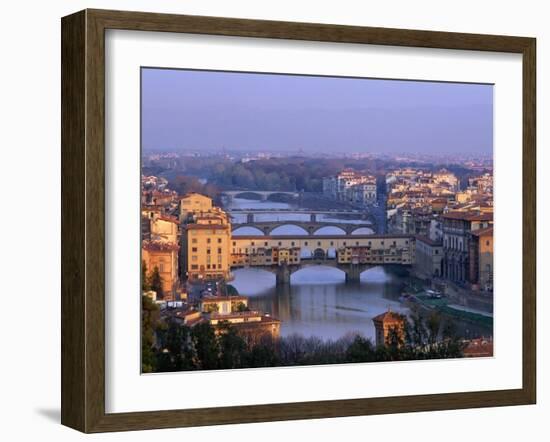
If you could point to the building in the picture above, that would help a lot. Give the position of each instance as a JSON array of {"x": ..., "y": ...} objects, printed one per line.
[
  {"x": 428, "y": 258},
  {"x": 206, "y": 238},
  {"x": 481, "y": 259},
  {"x": 377, "y": 251},
  {"x": 457, "y": 234},
  {"x": 385, "y": 324},
  {"x": 193, "y": 203},
  {"x": 252, "y": 325},
  {"x": 478, "y": 348},
  {"x": 223, "y": 304},
  {"x": 351, "y": 187},
  {"x": 164, "y": 228},
  {"x": 164, "y": 256}
]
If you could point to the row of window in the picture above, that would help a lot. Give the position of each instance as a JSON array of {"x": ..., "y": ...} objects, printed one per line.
[
  {"x": 208, "y": 251},
  {"x": 208, "y": 240},
  {"x": 292, "y": 244}
]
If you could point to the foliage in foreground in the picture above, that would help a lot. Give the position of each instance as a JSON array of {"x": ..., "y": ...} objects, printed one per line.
[{"x": 176, "y": 347}]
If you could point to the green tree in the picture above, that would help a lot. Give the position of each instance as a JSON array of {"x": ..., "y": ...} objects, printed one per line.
[
  {"x": 361, "y": 350},
  {"x": 145, "y": 284},
  {"x": 149, "y": 323},
  {"x": 232, "y": 348},
  {"x": 156, "y": 282},
  {"x": 205, "y": 345}
]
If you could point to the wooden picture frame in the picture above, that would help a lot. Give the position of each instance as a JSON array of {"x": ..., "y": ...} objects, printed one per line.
[{"x": 83, "y": 220}]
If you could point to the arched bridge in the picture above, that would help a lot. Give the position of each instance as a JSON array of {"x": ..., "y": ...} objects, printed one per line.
[
  {"x": 311, "y": 227},
  {"x": 353, "y": 254},
  {"x": 284, "y": 271},
  {"x": 263, "y": 194}
]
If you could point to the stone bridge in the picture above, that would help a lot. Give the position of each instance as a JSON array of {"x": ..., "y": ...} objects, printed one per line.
[
  {"x": 370, "y": 251},
  {"x": 311, "y": 227},
  {"x": 284, "y": 271},
  {"x": 263, "y": 194}
]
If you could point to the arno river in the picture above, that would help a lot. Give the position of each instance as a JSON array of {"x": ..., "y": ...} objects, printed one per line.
[{"x": 318, "y": 302}]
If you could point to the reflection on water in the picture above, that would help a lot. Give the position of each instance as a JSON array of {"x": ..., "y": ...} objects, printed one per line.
[{"x": 318, "y": 302}]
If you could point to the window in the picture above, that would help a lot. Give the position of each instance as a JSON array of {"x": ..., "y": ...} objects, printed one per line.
[
  {"x": 161, "y": 269},
  {"x": 252, "y": 243},
  {"x": 305, "y": 243},
  {"x": 265, "y": 243},
  {"x": 332, "y": 243},
  {"x": 194, "y": 240},
  {"x": 292, "y": 243},
  {"x": 208, "y": 240},
  {"x": 234, "y": 243},
  {"x": 194, "y": 258},
  {"x": 214, "y": 266},
  {"x": 194, "y": 249},
  {"x": 208, "y": 266},
  {"x": 194, "y": 267},
  {"x": 219, "y": 250},
  {"x": 280, "y": 242},
  {"x": 356, "y": 243},
  {"x": 487, "y": 242},
  {"x": 208, "y": 251}
]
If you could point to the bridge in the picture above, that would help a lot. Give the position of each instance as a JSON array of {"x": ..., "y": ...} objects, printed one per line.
[
  {"x": 353, "y": 254},
  {"x": 263, "y": 194},
  {"x": 311, "y": 227}
]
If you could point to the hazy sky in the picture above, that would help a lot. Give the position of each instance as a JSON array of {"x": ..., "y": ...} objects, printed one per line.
[{"x": 213, "y": 110}]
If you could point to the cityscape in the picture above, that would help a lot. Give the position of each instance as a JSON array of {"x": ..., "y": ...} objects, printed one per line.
[{"x": 301, "y": 254}]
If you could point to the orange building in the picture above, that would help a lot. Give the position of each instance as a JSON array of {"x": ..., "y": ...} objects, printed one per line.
[
  {"x": 481, "y": 259},
  {"x": 164, "y": 256},
  {"x": 385, "y": 323}
]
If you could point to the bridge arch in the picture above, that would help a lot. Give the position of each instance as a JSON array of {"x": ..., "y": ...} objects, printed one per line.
[
  {"x": 361, "y": 230},
  {"x": 300, "y": 229},
  {"x": 245, "y": 230},
  {"x": 248, "y": 194},
  {"x": 319, "y": 253},
  {"x": 319, "y": 230}
]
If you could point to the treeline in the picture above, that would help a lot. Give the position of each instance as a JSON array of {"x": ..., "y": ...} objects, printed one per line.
[{"x": 170, "y": 346}]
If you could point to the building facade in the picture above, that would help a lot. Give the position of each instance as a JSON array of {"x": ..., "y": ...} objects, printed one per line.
[
  {"x": 164, "y": 256},
  {"x": 428, "y": 258},
  {"x": 457, "y": 235}
]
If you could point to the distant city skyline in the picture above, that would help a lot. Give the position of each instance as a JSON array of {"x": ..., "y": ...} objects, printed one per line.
[{"x": 195, "y": 110}]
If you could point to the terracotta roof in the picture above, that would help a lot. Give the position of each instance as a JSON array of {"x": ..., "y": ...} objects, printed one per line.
[
  {"x": 487, "y": 231},
  {"x": 469, "y": 216},
  {"x": 207, "y": 227}
]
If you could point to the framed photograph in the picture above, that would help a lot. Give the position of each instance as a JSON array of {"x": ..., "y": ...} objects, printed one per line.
[{"x": 266, "y": 220}]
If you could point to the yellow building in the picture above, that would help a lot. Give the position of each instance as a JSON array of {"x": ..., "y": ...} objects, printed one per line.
[
  {"x": 164, "y": 229},
  {"x": 164, "y": 256},
  {"x": 193, "y": 203},
  {"x": 206, "y": 239}
]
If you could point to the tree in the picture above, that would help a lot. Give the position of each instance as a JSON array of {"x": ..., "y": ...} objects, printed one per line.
[
  {"x": 149, "y": 324},
  {"x": 176, "y": 354},
  {"x": 156, "y": 283},
  {"x": 232, "y": 347},
  {"x": 205, "y": 345},
  {"x": 145, "y": 284},
  {"x": 361, "y": 350}
]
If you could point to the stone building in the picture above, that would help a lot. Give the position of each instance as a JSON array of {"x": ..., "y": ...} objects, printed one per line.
[
  {"x": 387, "y": 322},
  {"x": 457, "y": 235},
  {"x": 428, "y": 258},
  {"x": 481, "y": 259},
  {"x": 163, "y": 256}
]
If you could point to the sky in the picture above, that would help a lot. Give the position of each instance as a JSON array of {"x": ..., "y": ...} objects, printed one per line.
[{"x": 205, "y": 110}]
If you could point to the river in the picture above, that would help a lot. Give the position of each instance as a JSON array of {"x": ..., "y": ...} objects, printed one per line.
[{"x": 318, "y": 301}]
